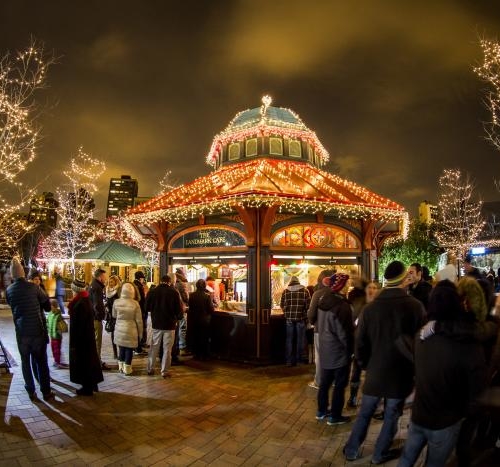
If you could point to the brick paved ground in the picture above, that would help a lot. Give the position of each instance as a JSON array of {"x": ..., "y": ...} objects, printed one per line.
[{"x": 208, "y": 413}]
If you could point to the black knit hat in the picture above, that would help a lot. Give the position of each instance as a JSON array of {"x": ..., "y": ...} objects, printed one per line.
[
  {"x": 139, "y": 275},
  {"x": 78, "y": 286},
  {"x": 395, "y": 273}
]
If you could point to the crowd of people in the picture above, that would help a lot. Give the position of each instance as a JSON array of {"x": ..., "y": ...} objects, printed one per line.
[
  {"x": 430, "y": 345},
  {"x": 120, "y": 308}
]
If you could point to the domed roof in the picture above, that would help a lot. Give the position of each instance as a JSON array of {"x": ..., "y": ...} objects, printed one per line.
[{"x": 265, "y": 121}]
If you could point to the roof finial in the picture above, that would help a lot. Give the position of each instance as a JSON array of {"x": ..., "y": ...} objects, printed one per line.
[{"x": 266, "y": 102}]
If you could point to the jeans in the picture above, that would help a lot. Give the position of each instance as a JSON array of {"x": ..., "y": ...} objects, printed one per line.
[
  {"x": 317, "y": 375},
  {"x": 393, "y": 410},
  {"x": 168, "y": 341},
  {"x": 182, "y": 333},
  {"x": 328, "y": 376},
  {"x": 98, "y": 336},
  {"x": 295, "y": 329},
  {"x": 34, "y": 347},
  {"x": 60, "y": 302},
  {"x": 440, "y": 444},
  {"x": 125, "y": 355}
]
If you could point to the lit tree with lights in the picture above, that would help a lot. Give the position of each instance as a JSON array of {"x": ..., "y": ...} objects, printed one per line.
[
  {"x": 75, "y": 230},
  {"x": 21, "y": 76},
  {"x": 489, "y": 71},
  {"x": 459, "y": 213}
]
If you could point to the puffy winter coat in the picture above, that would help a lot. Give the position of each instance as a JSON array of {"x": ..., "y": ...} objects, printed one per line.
[
  {"x": 26, "y": 301},
  {"x": 128, "y": 316}
]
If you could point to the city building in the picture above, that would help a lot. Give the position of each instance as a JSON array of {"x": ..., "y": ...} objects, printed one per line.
[
  {"x": 121, "y": 196},
  {"x": 427, "y": 212},
  {"x": 43, "y": 210},
  {"x": 266, "y": 213}
]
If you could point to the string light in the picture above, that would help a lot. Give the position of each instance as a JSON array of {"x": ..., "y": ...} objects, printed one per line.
[
  {"x": 293, "y": 187},
  {"x": 489, "y": 71}
]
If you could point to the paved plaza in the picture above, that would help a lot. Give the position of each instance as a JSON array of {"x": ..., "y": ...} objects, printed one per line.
[{"x": 208, "y": 413}]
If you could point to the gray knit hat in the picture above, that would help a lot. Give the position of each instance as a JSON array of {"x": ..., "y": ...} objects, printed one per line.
[
  {"x": 16, "y": 268},
  {"x": 78, "y": 286}
]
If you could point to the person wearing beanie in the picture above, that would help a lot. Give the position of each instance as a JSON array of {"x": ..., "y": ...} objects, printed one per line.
[
  {"x": 319, "y": 289},
  {"x": 295, "y": 302},
  {"x": 84, "y": 361},
  {"x": 200, "y": 313},
  {"x": 27, "y": 302},
  {"x": 333, "y": 318},
  {"x": 391, "y": 317}
]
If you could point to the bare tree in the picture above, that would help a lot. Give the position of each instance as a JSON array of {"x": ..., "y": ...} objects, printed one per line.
[
  {"x": 75, "y": 229},
  {"x": 21, "y": 76},
  {"x": 459, "y": 213}
]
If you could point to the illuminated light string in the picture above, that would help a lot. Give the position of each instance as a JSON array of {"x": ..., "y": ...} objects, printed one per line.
[{"x": 489, "y": 71}]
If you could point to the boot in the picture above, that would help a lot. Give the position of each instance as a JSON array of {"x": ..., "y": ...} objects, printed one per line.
[
  {"x": 120, "y": 366},
  {"x": 351, "y": 402},
  {"x": 127, "y": 369}
]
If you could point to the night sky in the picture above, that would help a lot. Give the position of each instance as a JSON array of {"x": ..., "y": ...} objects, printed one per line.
[{"x": 388, "y": 86}]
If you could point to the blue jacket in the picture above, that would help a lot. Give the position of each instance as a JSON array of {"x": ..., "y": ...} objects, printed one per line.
[{"x": 26, "y": 301}]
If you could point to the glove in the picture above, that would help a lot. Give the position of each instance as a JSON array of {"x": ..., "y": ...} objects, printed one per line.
[{"x": 427, "y": 330}]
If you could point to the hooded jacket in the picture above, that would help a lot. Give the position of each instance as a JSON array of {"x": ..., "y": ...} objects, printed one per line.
[{"x": 128, "y": 316}]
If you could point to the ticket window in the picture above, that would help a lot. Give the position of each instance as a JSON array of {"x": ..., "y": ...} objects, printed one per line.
[
  {"x": 229, "y": 284},
  {"x": 307, "y": 274}
]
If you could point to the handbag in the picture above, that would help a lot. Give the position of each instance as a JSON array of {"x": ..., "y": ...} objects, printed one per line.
[
  {"x": 110, "y": 324},
  {"x": 62, "y": 326}
]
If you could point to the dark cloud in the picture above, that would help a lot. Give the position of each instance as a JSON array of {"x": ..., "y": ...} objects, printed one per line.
[{"x": 387, "y": 86}]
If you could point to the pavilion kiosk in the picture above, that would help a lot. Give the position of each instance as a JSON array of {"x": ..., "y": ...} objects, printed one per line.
[{"x": 266, "y": 213}]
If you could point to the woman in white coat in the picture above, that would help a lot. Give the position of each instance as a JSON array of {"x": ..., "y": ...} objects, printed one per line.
[{"x": 128, "y": 326}]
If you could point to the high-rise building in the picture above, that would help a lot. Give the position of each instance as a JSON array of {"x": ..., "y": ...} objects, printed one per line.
[
  {"x": 427, "y": 212},
  {"x": 43, "y": 210},
  {"x": 122, "y": 192}
]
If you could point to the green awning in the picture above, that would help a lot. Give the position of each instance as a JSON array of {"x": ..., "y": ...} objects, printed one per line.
[{"x": 114, "y": 252}]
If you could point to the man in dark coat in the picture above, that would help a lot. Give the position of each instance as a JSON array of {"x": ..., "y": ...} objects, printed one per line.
[
  {"x": 391, "y": 317},
  {"x": 450, "y": 372},
  {"x": 96, "y": 296},
  {"x": 164, "y": 304},
  {"x": 27, "y": 301},
  {"x": 200, "y": 312},
  {"x": 418, "y": 288},
  {"x": 139, "y": 281},
  {"x": 333, "y": 318},
  {"x": 84, "y": 362}
]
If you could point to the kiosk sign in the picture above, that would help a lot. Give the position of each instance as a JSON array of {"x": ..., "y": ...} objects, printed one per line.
[{"x": 208, "y": 238}]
